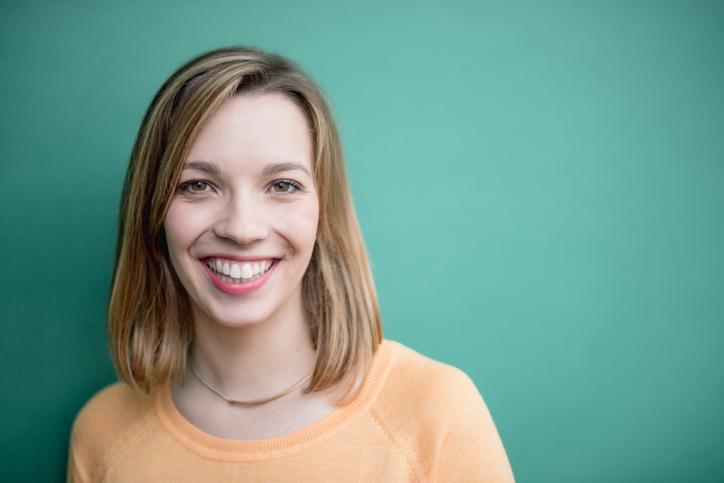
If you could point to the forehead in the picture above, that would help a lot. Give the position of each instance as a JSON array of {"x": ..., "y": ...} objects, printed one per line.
[{"x": 251, "y": 130}]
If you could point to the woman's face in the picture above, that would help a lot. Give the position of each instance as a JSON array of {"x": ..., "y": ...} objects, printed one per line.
[{"x": 245, "y": 199}]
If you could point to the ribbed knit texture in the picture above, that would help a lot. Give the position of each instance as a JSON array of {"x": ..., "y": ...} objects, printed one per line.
[{"x": 415, "y": 419}]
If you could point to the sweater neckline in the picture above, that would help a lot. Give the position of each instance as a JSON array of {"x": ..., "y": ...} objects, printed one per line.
[{"x": 216, "y": 447}]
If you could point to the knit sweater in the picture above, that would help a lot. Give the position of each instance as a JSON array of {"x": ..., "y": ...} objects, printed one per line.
[{"x": 414, "y": 419}]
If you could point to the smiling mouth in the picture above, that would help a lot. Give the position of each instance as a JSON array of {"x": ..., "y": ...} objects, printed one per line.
[{"x": 239, "y": 273}]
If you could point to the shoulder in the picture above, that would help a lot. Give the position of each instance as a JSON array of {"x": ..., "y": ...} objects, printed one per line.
[
  {"x": 423, "y": 386},
  {"x": 435, "y": 412},
  {"x": 110, "y": 416},
  {"x": 116, "y": 406}
]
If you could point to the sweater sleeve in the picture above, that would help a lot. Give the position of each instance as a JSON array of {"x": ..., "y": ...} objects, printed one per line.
[
  {"x": 99, "y": 430},
  {"x": 82, "y": 459},
  {"x": 472, "y": 449}
]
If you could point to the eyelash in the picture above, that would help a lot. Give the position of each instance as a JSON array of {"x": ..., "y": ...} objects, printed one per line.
[{"x": 183, "y": 186}]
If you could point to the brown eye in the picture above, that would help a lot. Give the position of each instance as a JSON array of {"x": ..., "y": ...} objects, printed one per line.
[
  {"x": 198, "y": 184},
  {"x": 194, "y": 186},
  {"x": 284, "y": 187}
]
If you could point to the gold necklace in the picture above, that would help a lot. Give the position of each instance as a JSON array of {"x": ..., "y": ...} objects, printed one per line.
[{"x": 251, "y": 403}]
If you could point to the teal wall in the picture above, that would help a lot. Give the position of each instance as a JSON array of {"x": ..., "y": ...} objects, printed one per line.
[{"x": 540, "y": 185}]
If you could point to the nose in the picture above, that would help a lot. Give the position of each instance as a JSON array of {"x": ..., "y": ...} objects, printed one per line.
[{"x": 241, "y": 219}]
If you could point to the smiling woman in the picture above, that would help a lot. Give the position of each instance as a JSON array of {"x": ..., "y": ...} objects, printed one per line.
[
  {"x": 244, "y": 218},
  {"x": 243, "y": 320}
]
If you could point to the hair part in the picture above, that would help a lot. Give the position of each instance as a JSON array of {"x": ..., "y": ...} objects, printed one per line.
[{"x": 150, "y": 321}]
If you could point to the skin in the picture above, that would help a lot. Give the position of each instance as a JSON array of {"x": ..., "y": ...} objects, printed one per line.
[{"x": 254, "y": 345}]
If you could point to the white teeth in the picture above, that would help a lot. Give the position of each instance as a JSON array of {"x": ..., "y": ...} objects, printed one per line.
[
  {"x": 246, "y": 271},
  {"x": 235, "y": 271},
  {"x": 239, "y": 271}
]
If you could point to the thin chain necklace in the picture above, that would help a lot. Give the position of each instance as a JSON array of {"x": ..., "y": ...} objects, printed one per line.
[{"x": 251, "y": 403}]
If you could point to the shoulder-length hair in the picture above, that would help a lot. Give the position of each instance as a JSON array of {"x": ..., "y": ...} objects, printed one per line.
[{"x": 149, "y": 313}]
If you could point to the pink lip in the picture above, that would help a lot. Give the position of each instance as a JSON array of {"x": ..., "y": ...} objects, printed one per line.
[
  {"x": 239, "y": 288},
  {"x": 240, "y": 259}
]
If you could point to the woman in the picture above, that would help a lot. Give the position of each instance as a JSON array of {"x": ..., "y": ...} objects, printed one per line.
[{"x": 243, "y": 318}]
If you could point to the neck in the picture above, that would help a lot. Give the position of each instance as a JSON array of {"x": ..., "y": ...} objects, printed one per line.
[{"x": 258, "y": 360}]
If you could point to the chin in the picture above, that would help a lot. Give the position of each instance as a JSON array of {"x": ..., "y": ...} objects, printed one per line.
[{"x": 240, "y": 317}]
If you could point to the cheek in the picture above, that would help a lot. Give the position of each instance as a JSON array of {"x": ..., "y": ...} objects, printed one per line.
[
  {"x": 182, "y": 224},
  {"x": 299, "y": 225}
]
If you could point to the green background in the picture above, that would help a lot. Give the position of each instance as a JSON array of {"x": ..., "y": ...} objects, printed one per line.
[{"x": 540, "y": 186}]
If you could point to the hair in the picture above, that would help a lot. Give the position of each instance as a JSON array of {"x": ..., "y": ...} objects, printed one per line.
[{"x": 150, "y": 321}]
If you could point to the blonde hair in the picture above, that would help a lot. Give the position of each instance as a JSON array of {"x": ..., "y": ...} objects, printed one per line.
[{"x": 149, "y": 314}]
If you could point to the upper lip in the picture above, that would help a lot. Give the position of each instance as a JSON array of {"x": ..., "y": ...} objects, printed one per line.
[{"x": 239, "y": 258}]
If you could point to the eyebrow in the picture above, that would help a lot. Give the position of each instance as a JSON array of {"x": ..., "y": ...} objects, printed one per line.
[{"x": 213, "y": 169}]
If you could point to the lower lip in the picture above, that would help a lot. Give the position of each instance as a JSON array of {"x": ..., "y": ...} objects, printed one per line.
[{"x": 239, "y": 288}]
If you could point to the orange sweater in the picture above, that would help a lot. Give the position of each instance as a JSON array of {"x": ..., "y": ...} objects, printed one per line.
[{"x": 415, "y": 419}]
